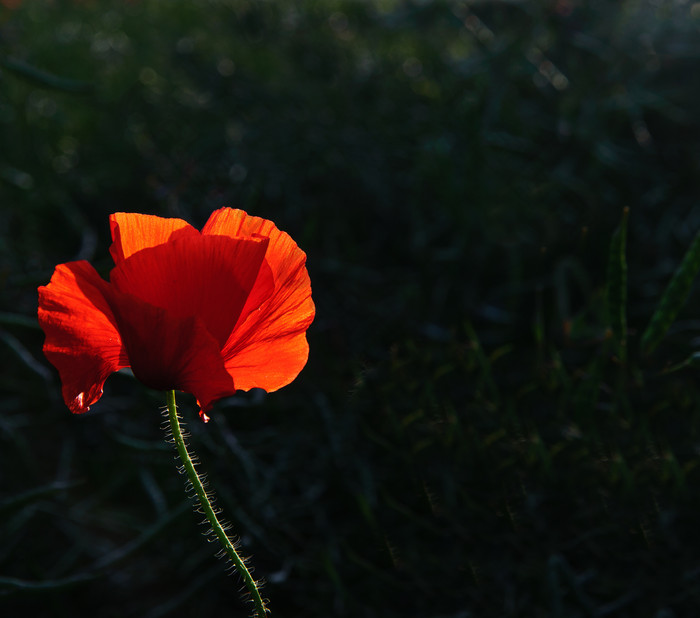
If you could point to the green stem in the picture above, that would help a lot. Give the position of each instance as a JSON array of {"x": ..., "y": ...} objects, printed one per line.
[{"x": 208, "y": 509}]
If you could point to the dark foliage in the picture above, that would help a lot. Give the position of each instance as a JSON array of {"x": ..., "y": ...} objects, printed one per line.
[{"x": 468, "y": 438}]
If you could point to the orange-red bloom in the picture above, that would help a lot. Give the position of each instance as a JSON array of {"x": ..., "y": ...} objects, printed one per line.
[{"x": 207, "y": 312}]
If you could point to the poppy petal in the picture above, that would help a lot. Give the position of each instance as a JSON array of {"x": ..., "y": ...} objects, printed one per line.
[
  {"x": 132, "y": 232},
  {"x": 167, "y": 351},
  {"x": 210, "y": 277},
  {"x": 269, "y": 348},
  {"x": 82, "y": 340}
]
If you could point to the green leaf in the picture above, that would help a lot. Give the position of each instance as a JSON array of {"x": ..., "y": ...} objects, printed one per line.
[{"x": 673, "y": 299}]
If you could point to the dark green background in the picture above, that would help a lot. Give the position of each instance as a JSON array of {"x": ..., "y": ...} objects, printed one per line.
[{"x": 465, "y": 440}]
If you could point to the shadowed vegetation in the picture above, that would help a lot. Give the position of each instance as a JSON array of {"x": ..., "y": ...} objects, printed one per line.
[{"x": 478, "y": 431}]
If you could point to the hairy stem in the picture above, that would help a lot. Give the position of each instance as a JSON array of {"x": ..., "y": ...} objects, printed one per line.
[{"x": 207, "y": 508}]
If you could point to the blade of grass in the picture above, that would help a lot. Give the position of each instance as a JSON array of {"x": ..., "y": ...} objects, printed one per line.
[
  {"x": 31, "y": 495},
  {"x": 486, "y": 379},
  {"x": 43, "y": 78},
  {"x": 673, "y": 298}
]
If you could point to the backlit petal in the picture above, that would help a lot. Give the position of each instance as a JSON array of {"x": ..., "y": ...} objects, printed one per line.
[
  {"x": 82, "y": 340},
  {"x": 132, "y": 232},
  {"x": 209, "y": 277},
  {"x": 268, "y": 348},
  {"x": 235, "y": 223},
  {"x": 170, "y": 352}
]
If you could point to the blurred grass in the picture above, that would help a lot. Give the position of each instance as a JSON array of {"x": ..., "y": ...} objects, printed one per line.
[{"x": 465, "y": 440}]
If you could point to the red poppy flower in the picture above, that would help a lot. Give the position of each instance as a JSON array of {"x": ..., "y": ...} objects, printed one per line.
[{"x": 207, "y": 312}]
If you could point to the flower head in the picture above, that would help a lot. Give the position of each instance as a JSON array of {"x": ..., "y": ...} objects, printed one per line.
[{"x": 207, "y": 312}]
